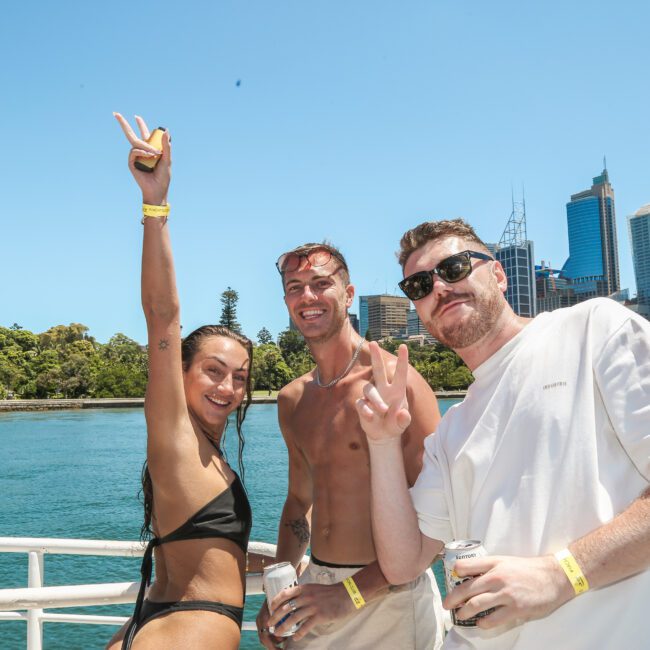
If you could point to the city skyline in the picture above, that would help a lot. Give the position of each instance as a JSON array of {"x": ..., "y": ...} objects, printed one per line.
[{"x": 296, "y": 122}]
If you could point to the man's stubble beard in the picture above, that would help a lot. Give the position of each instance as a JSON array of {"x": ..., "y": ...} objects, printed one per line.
[
  {"x": 338, "y": 321},
  {"x": 487, "y": 309}
]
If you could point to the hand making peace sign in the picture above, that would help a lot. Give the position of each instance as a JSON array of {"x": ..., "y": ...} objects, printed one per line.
[
  {"x": 383, "y": 409},
  {"x": 154, "y": 185}
]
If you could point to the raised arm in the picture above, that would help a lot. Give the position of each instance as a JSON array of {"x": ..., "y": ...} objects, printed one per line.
[
  {"x": 403, "y": 551},
  {"x": 165, "y": 407}
]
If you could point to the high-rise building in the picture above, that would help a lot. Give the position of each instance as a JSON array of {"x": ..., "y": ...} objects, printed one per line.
[
  {"x": 592, "y": 266},
  {"x": 386, "y": 316},
  {"x": 516, "y": 254},
  {"x": 415, "y": 328},
  {"x": 354, "y": 321},
  {"x": 363, "y": 315},
  {"x": 639, "y": 231}
]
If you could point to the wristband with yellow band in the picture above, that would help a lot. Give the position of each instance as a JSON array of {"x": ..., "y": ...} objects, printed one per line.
[
  {"x": 155, "y": 211},
  {"x": 354, "y": 592},
  {"x": 572, "y": 570}
]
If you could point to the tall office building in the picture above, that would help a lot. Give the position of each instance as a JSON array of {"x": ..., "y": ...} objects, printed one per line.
[
  {"x": 592, "y": 266},
  {"x": 415, "y": 328},
  {"x": 516, "y": 254},
  {"x": 363, "y": 315},
  {"x": 384, "y": 316},
  {"x": 639, "y": 231}
]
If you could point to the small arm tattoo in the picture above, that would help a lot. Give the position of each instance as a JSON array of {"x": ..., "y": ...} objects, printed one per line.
[
  {"x": 163, "y": 345},
  {"x": 300, "y": 528}
]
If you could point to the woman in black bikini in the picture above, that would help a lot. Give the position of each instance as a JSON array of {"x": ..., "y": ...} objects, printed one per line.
[{"x": 195, "y": 504}]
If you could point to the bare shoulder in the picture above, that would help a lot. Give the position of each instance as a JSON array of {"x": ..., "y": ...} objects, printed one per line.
[
  {"x": 289, "y": 398},
  {"x": 291, "y": 394}
]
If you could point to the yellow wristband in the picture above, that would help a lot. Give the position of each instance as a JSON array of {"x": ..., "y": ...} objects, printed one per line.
[
  {"x": 354, "y": 592},
  {"x": 572, "y": 570},
  {"x": 155, "y": 211}
]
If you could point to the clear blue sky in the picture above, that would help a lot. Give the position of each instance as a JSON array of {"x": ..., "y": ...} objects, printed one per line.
[{"x": 353, "y": 121}]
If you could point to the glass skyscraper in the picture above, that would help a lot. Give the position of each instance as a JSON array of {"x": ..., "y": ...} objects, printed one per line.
[
  {"x": 592, "y": 266},
  {"x": 363, "y": 315},
  {"x": 639, "y": 230}
]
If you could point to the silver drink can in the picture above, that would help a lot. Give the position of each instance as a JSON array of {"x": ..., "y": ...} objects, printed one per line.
[
  {"x": 277, "y": 577},
  {"x": 462, "y": 549}
]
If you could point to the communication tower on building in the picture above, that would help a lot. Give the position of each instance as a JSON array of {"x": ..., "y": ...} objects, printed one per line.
[
  {"x": 515, "y": 252},
  {"x": 514, "y": 234}
]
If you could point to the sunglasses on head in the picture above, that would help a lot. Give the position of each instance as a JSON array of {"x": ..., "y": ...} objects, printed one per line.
[
  {"x": 452, "y": 269},
  {"x": 315, "y": 257}
]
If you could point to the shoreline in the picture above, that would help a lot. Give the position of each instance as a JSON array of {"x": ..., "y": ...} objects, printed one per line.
[{"x": 16, "y": 405}]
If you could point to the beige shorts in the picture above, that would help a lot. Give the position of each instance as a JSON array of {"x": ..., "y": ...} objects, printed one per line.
[{"x": 410, "y": 617}]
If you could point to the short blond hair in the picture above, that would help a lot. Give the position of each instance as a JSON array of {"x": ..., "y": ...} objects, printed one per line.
[{"x": 432, "y": 230}]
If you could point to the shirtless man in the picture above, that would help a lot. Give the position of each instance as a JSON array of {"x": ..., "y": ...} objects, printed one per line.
[{"x": 328, "y": 500}]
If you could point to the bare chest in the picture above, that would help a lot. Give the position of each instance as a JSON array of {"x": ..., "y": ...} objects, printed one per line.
[{"x": 327, "y": 430}]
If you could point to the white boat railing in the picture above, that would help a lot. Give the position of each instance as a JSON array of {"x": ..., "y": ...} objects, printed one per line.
[{"x": 30, "y": 603}]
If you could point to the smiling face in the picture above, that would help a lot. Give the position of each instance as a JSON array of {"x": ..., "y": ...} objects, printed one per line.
[
  {"x": 318, "y": 299},
  {"x": 215, "y": 381},
  {"x": 462, "y": 313}
]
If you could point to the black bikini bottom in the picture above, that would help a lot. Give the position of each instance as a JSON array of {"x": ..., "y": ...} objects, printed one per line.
[{"x": 152, "y": 609}]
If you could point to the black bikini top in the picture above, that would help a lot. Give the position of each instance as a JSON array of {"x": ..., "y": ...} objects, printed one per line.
[{"x": 228, "y": 516}]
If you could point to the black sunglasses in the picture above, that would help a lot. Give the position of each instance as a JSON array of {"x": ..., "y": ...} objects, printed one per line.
[
  {"x": 316, "y": 257},
  {"x": 452, "y": 269}
]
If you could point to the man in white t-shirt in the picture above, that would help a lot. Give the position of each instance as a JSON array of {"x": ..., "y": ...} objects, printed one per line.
[{"x": 546, "y": 461}]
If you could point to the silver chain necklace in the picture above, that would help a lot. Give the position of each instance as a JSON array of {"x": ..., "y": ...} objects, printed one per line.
[{"x": 336, "y": 380}]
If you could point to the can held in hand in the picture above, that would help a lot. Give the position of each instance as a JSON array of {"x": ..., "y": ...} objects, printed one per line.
[
  {"x": 462, "y": 549},
  {"x": 276, "y": 578}
]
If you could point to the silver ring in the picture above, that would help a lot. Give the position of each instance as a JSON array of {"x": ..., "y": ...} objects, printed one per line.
[
  {"x": 292, "y": 604},
  {"x": 264, "y": 630}
]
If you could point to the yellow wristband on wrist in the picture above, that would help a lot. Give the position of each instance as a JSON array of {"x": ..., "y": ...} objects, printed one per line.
[
  {"x": 354, "y": 593},
  {"x": 155, "y": 211},
  {"x": 572, "y": 570}
]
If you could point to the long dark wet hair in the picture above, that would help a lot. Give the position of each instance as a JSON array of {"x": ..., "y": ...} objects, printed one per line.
[{"x": 189, "y": 347}]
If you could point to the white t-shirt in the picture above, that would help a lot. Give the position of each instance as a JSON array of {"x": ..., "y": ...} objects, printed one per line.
[{"x": 552, "y": 441}]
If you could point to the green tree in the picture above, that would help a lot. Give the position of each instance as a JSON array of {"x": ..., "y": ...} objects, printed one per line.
[
  {"x": 264, "y": 336},
  {"x": 118, "y": 380},
  {"x": 270, "y": 371},
  {"x": 60, "y": 335},
  {"x": 229, "y": 299},
  {"x": 291, "y": 342},
  {"x": 295, "y": 352},
  {"x": 122, "y": 371}
]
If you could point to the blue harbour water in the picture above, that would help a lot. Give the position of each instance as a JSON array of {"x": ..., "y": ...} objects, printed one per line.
[{"x": 76, "y": 474}]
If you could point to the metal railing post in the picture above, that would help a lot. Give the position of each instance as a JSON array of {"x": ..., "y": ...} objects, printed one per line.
[{"x": 35, "y": 573}]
